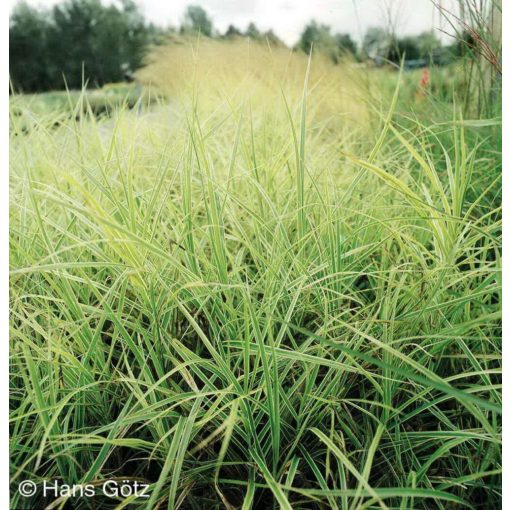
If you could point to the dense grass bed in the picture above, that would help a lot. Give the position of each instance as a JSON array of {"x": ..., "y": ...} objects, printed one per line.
[
  {"x": 51, "y": 109},
  {"x": 278, "y": 288}
]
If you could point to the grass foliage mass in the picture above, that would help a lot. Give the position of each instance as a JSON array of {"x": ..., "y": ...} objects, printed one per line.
[{"x": 275, "y": 284}]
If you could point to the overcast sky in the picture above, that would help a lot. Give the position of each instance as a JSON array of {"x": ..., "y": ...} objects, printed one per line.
[{"x": 288, "y": 17}]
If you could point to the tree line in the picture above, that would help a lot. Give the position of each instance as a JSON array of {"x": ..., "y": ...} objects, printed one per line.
[
  {"x": 85, "y": 39},
  {"x": 49, "y": 48}
]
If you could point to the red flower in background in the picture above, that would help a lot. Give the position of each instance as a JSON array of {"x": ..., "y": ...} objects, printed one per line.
[
  {"x": 423, "y": 86},
  {"x": 425, "y": 78}
]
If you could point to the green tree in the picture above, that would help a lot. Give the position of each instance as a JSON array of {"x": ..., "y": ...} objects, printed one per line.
[
  {"x": 403, "y": 47},
  {"x": 252, "y": 31},
  {"x": 196, "y": 20},
  {"x": 425, "y": 47},
  {"x": 317, "y": 36},
  {"x": 105, "y": 40},
  {"x": 345, "y": 44},
  {"x": 428, "y": 44},
  {"x": 28, "y": 59},
  {"x": 76, "y": 39},
  {"x": 320, "y": 38},
  {"x": 376, "y": 43},
  {"x": 232, "y": 32},
  {"x": 272, "y": 39}
]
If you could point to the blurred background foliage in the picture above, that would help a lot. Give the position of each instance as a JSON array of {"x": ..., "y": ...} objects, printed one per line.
[
  {"x": 84, "y": 42},
  {"x": 76, "y": 39},
  {"x": 79, "y": 40}
]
